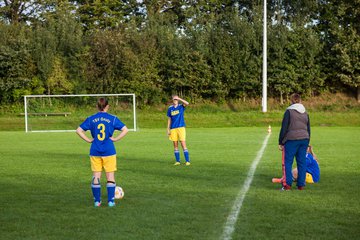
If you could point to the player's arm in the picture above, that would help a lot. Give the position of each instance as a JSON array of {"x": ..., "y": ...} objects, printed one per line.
[
  {"x": 185, "y": 103},
  {"x": 124, "y": 131},
  {"x": 313, "y": 154},
  {"x": 168, "y": 125},
  {"x": 81, "y": 133},
  {"x": 308, "y": 127},
  {"x": 284, "y": 128}
]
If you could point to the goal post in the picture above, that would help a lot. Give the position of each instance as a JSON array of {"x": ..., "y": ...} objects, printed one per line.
[{"x": 64, "y": 113}]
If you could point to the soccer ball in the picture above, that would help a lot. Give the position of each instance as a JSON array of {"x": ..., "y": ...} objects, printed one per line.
[{"x": 119, "y": 192}]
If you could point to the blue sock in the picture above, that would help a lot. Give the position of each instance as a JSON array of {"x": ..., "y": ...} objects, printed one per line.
[
  {"x": 111, "y": 191},
  {"x": 186, "y": 155},
  {"x": 96, "y": 190},
  {"x": 177, "y": 155}
]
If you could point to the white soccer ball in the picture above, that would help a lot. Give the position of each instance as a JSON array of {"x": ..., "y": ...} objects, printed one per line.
[{"x": 119, "y": 192}]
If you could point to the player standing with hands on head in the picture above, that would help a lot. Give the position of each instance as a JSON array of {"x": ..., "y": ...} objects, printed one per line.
[
  {"x": 294, "y": 140},
  {"x": 176, "y": 128},
  {"x": 102, "y": 151}
]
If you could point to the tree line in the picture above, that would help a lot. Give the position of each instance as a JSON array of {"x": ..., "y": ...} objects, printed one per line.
[{"x": 205, "y": 50}]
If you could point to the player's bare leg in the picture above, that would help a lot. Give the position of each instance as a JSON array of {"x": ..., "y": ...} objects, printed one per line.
[
  {"x": 277, "y": 180},
  {"x": 96, "y": 177},
  {"x": 280, "y": 180},
  {"x": 183, "y": 145},
  {"x": 295, "y": 174},
  {"x": 110, "y": 176}
]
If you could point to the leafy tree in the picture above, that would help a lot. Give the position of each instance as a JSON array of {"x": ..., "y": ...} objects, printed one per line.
[
  {"x": 105, "y": 54},
  {"x": 16, "y": 65},
  {"x": 347, "y": 53},
  {"x": 59, "y": 35},
  {"x": 57, "y": 82},
  {"x": 339, "y": 28},
  {"x": 16, "y": 11},
  {"x": 105, "y": 14},
  {"x": 43, "y": 51},
  {"x": 139, "y": 68},
  {"x": 294, "y": 49},
  {"x": 203, "y": 49},
  {"x": 281, "y": 72},
  {"x": 197, "y": 76}
]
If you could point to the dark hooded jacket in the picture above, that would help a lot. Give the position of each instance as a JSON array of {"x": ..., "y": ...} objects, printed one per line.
[{"x": 295, "y": 124}]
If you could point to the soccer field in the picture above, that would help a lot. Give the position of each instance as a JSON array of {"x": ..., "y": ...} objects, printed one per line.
[{"x": 45, "y": 187}]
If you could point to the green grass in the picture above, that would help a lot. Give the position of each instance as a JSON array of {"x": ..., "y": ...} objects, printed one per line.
[
  {"x": 45, "y": 187},
  {"x": 328, "y": 210},
  {"x": 194, "y": 119},
  {"x": 325, "y": 110}
]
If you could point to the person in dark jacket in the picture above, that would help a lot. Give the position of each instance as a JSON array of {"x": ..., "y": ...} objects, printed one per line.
[{"x": 294, "y": 139}]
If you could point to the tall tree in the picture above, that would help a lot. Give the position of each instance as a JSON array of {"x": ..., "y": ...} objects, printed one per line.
[
  {"x": 294, "y": 48},
  {"x": 106, "y": 14},
  {"x": 60, "y": 34},
  {"x": 16, "y": 65},
  {"x": 15, "y": 11},
  {"x": 58, "y": 82},
  {"x": 339, "y": 28}
]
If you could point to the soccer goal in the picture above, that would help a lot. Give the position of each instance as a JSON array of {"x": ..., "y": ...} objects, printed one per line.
[{"x": 64, "y": 113}]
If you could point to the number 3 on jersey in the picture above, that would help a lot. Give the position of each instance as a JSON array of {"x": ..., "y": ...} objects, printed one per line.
[{"x": 101, "y": 136}]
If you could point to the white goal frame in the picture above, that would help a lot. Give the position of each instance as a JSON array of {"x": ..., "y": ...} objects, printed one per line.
[{"x": 76, "y": 95}]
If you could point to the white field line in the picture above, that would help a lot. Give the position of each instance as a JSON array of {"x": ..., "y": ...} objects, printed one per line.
[{"x": 233, "y": 216}]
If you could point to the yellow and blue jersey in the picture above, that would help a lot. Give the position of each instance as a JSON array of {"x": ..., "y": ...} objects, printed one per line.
[
  {"x": 177, "y": 116},
  {"x": 102, "y": 126},
  {"x": 312, "y": 167}
]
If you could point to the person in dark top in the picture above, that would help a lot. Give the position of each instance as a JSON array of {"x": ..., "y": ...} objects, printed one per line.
[{"x": 294, "y": 139}]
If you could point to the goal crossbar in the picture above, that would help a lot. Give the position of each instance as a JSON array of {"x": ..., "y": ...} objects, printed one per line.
[{"x": 76, "y": 95}]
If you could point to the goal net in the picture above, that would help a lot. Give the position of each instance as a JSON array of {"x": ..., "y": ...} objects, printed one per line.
[{"x": 64, "y": 113}]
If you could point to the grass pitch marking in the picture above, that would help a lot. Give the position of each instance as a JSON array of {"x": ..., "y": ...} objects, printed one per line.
[{"x": 235, "y": 210}]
